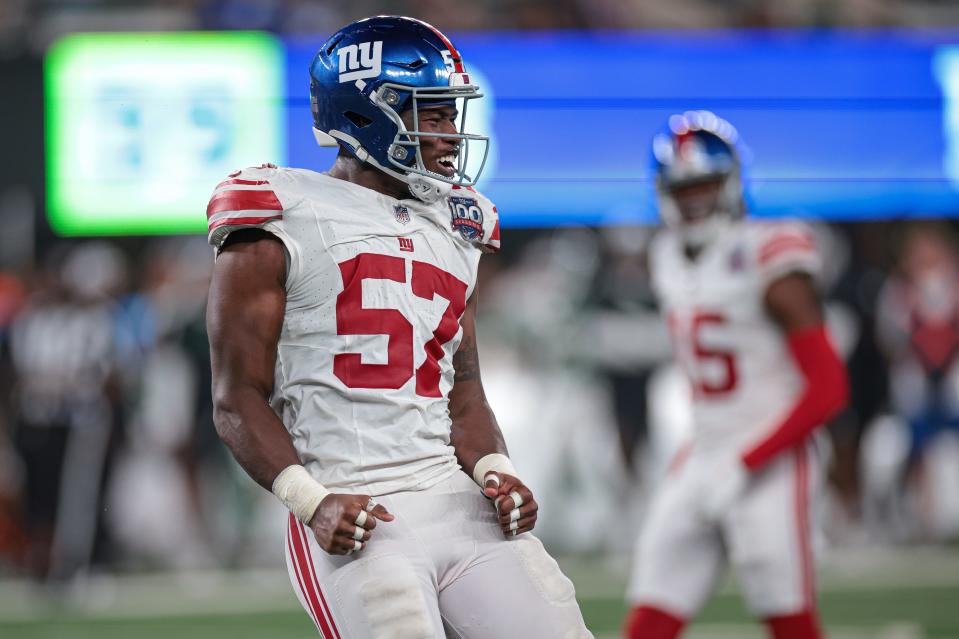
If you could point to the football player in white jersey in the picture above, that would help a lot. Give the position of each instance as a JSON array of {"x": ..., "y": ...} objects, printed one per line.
[
  {"x": 346, "y": 378},
  {"x": 748, "y": 331}
]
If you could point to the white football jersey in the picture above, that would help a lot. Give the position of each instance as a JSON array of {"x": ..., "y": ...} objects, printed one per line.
[
  {"x": 374, "y": 293},
  {"x": 737, "y": 360}
]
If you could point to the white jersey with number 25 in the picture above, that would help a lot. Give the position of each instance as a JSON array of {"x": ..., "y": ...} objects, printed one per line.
[
  {"x": 736, "y": 358},
  {"x": 375, "y": 290}
]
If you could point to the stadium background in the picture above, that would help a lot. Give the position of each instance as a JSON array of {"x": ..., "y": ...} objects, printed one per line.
[{"x": 120, "y": 513}]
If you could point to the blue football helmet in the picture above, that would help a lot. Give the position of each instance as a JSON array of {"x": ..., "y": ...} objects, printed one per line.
[
  {"x": 371, "y": 71},
  {"x": 698, "y": 147}
]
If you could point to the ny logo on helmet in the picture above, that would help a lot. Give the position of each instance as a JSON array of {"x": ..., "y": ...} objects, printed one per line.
[{"x": 358, "y": 61}]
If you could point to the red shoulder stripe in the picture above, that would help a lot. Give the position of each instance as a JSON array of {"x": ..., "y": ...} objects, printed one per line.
[
  {"x": 785, "y": 243},
  {"x": 244, "y": 220},
  {"x": 235, "y": 200},
  {"x": 241, "y": 182}
]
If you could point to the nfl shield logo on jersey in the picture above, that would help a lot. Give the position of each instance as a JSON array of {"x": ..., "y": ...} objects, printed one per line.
[
  {"x": 401, "y": 213},
  {"x": 467, "y": 218},
  {"x": 736, "y": 260}
]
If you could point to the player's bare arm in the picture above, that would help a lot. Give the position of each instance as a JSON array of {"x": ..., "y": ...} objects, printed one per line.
[
  {"x": 244, "y": 318},
  {"x": 475, "y": 433},
  {"x": 793, "y": 303}
]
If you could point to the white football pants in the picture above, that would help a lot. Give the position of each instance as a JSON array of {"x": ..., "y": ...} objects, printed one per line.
[
  {"x": 441, "y": 569},
  {"x": 766, "y": 536}
]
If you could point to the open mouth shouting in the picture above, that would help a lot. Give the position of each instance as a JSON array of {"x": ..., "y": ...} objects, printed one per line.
[{"x": 446, "y": 164}]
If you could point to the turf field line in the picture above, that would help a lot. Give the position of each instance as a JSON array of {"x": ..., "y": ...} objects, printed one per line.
[
  {"x": 840, "y": 570},
  {"x": 268, "y": 591},
  {"x": 755, "y": 631},
  {"x": 183, "y": 594},
  {"x": 138, "y": 596}
]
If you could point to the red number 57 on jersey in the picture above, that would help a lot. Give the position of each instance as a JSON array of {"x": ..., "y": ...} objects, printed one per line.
[{"x": 426, "y": 281}]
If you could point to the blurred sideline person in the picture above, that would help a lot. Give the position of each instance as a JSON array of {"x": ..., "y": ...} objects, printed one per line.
[
  {"x": 918, "y": 326},
  {"x": 65, "y": 406},
  {"x": 748, "y": 331},
  {"x": 343, "y": 346}
]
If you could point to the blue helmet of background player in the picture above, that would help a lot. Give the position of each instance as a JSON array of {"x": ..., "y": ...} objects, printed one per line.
[
  {"x": 369, "y": 73},
  {"x": 698, "y": 172}
]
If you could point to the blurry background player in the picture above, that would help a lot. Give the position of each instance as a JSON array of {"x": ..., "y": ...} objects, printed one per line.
[
  {"x": 343, "y": 342},
  {"x": 748, "y": 332}
]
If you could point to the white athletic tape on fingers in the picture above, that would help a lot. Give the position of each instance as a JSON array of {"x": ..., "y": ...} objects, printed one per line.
[
  {"x": 299, "y": 492},
  {"x": 490, "y": 477},
  {"x": 370, "y": 505},
  {"x": 358, "y": 533},
  {"x": 360, "y": 518},
  {"x": 357, "y": 545},
  {"x": 514, "y": 514},
  {"x": 494, "y": 462},
  {"x": 514, "y": 532},
  {"x": 514, "y": 526},
  {"x": 517, "y": 499}
]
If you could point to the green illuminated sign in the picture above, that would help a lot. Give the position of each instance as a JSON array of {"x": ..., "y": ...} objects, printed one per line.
[{"x": 141, "y": 127}]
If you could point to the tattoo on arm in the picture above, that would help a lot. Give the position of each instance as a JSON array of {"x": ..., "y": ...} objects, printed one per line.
[{"x": 466, "y": 361}]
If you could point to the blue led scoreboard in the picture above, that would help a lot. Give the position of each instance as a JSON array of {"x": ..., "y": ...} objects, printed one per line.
[{"x": 837, "y": 125}]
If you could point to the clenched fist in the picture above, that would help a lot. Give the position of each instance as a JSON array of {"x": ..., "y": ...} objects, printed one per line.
[
  {"x": 514, "y": 502},
  {"x": 344, "y": 523}
]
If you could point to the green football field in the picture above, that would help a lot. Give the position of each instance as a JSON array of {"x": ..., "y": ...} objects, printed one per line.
[{"x": 903, "y": 595}]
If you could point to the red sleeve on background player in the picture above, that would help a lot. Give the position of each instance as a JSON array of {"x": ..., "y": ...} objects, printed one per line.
[{"x": 825, "y": 394}]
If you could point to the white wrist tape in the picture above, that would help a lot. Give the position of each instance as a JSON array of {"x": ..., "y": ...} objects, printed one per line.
[
  {"x": 299, "y": 492},
  {"x": 493, "y": 462}
]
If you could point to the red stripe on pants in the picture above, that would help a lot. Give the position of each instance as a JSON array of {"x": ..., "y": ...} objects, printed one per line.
[
  {"x": 299, "y": 580},
  {"x": 309, "y": 557},
  {"x": 802, "y": 520},
  {"x": 301, "y": 563}
]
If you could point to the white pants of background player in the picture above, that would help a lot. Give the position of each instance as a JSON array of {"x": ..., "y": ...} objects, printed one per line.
[
  {"x": 441, "y": 569},
  {"x": 766, "y": 536}
]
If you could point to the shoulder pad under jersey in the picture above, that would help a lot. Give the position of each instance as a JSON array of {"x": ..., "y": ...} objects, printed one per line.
[
  {"x": 246, "y": 199},
  {"x": 784, "y": 247}
]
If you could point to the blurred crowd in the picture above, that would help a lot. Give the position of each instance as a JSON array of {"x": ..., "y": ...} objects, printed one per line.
[
  {"x": 109, "y": 459},
  {"x": 36, "y": 23}
]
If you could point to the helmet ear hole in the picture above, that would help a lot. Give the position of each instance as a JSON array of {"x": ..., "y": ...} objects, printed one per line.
[
  {"x": 360, "y": 121},
  {"x": 335, "y": 41}
]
